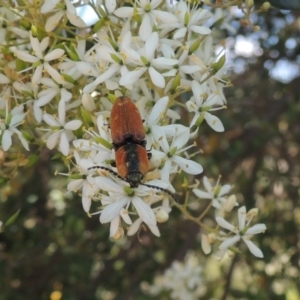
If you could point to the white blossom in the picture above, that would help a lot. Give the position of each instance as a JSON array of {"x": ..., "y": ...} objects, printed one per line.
[
  {"x": 149, "y": 15},
  {"x": 201, "y": 103},
  {"x": 243, "y": 231},
  {"x": 39, "y": 60},
  {"x": 63, "y": 130},
  {"x": 147, "y": 61},
  {"x": 8, "y": 127},
  {"x": 69, "y": 10},
  {"x": 214, "y": 193}
]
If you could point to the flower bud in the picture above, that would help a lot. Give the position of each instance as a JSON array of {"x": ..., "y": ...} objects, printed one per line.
[
  {"x": 162, "y": 216},
  {"x": 230, "y": 203}
]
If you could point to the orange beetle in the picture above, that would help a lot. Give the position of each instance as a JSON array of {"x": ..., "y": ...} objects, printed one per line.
[
  {"x": 128, "y": 136},
  {"x": 126, "y": 123}
]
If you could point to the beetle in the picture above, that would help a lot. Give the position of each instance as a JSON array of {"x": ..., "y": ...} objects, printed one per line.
[{"x": 128, "y": 139}]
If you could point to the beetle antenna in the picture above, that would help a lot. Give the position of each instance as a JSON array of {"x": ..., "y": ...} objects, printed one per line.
[
  {"x": 106, "y": 169},
  {"x": 161, "y": 189}
]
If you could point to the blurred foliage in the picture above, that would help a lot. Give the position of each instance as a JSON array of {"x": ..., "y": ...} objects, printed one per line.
[{"x": 54, "y": 251}]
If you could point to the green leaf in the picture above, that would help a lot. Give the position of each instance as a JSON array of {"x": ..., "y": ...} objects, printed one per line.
[{"x": 12, "y": 219}]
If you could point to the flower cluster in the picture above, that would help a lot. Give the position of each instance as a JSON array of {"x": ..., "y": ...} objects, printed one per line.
[
  {"x": 63, "y": 76},
  {"x": 183, "y": 280}
]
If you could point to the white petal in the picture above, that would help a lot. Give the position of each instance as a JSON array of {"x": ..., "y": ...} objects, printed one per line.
[
  {"x": 36, "y": 78},
  {"x": 46, "y": 96},
  {"x": 134, "y": 227},
  {"x": 223, "y": 223},
  {"x": 166, "y": 170},
  {"x": 16, "y": 119},
  {"x": 165, "y": 17},
  {"x": 225, "y": 189},
  {"x": 205, "y": 244},
  {"x": 207, "y": 184},
  {"x": 145, "y": 28},
  {"x": 104, "y": 76},
  {"x": 253, "y": 248},
  {"x": 73, "y": 125},
  {"x": 114, "y": 226},
  {"x": 198, "y": 91},
  {"x": 154, "y": 229},
  {"x": 258, "y": 228},
  {"x": 64, "y": 143},
  {"x": 53, "y": 21},
  {"x": 125, "y": 216},
  {"x": 55, "y": 54},
  {"x": 111, "y": 211},
  {"x": 189, "y": 166},
  {"x": 242, "y": 217},
  {"x": 44, "y": 43},
  {"x": 214, "y": 122},
  {"x": 36, "y": 46},
  {"x": 53, "y": 139},
  {"x": 151, "y": 45},
  {"x": 48, "y": 6},
  {"x": 108, "y": 185},
  {"x": 65, "y": 95},
  {"x": 38, "y": 113},
  {"x": 61, "y": 112},
  {"x": 229, "y": 242},
  {"x": 70, "y": 7},
  {"x": 124, "y": 12},
  {"x": 160, "y": 137},
  {"x": 22, "y": 139},
  {"x": 26, "y": 56},
  {"x": 86, "y": 68},
  {"x": 54, "y": 73},
  {"x": 180, "y": 33},
  {"x": 158, "y": 109},
  {"x": 88, "y": 102},
  {"x": 86, "y": 202},
  {"x": 4, "y": 79},
  {"x": 74, "y": 185},
  {"x": 157, "y": 79},
  {"x": 163, "y": 62},
  {"x": 6, "y": 140},
  {"x": 189, "y": 69},
  {"x": 50, "y": 120},
  {"x": 110, "y": 5},
  {"x": 201, "y": 194},
  {"x": 75, "y": 20},
  {"x": 132, "y": 77},
  {"x": 144, "y": 211},
  {"x": 200, "y": 29}
]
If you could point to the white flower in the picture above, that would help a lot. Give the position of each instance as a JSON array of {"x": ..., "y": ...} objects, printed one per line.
[
  {"x": 108, "y": 63},
  {"x": 69, "y": 10},
  {"x": 118, "y": 199},
  {"x": 183, "y": 68},
  {"x": 86, "y": 184},
  {"x": 171, "y": 152},
  {"x": 243, "y": 232},
  {"x": 135, "y": 226},
  {"x": 189, "y": 21},
  {"x": 8, "y": 127},
  {"x": 215, "y": 193},
  {"x": 64, "y": 130},
  {"x": 41, "y": 61},
  {"x": 201, "y": 103},
  {"x": 148, "y": 14},
  {"x": 183, "y": 280},
  {"x": 146, "y": 59}
]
